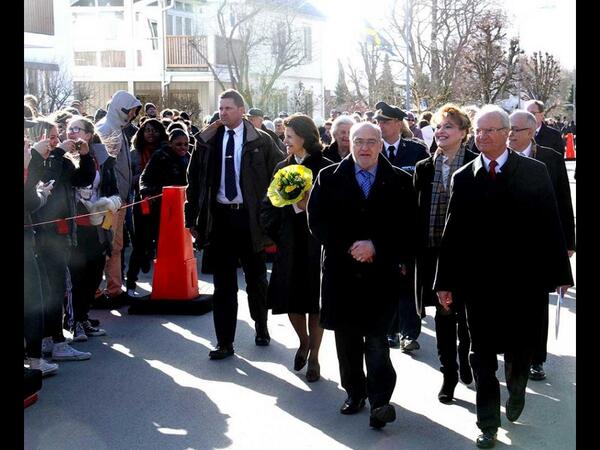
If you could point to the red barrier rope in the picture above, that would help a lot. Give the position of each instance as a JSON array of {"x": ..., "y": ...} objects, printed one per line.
[{"x": 92, "y": 214}]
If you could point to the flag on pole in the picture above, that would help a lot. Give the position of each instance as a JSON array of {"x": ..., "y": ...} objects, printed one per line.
[{"x": 374, "y": 37}]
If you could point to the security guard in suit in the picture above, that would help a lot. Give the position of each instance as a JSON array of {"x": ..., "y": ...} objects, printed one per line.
[{"x": 403, "y": 153}]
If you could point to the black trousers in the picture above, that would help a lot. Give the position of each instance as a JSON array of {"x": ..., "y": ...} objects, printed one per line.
[
  {"x": 407, "y": 320},
  {"x": 33, "y": 302},
  {"x": 144, "y": 241},
  {"x": 485, "y": 363},
  {"x": 448, "y": 327},
  {"x": 540, "y": 343},
  {"x": 232, "y": 244},
  {"x": 378, "y": 385},
  {"x": 86, "y": 266},
  {"x": 53, "y": 254}
]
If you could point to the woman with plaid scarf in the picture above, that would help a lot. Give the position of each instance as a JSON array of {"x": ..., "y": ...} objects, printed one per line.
[{"x": 432, "y": 183}]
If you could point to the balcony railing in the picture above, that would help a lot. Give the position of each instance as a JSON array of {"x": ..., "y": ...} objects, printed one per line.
[
  {"x": 39, "y": 16},
  {"x": 181, "y": 53}
]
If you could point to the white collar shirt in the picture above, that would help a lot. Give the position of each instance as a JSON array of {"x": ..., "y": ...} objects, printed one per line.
[{"x": 237, "y": 159}]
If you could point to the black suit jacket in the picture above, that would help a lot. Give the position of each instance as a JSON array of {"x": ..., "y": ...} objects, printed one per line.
[
  {"x": 518, "y": 253},
  {"x": 555, "y": 163},
  {"x": 409, "y": 153},
  {"x": 357, "y": 296},
  {"x": 549, "y": 137}
]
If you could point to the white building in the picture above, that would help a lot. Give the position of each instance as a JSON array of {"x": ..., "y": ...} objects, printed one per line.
[
  {"x": 47, "y": 45},
  {"x": 143, "y": 46}
]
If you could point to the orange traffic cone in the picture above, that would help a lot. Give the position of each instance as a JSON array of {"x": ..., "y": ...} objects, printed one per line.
[
  {"x": 570, "y": 148},
  {"x": 175, "y": 278}
]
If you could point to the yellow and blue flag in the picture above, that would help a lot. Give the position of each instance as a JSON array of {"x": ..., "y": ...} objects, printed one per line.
[{"x": 373, "y": 36}]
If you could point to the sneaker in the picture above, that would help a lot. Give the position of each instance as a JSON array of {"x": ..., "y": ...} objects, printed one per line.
[
  {"x": 94, "y": 322},
  {"x": 91, "y": 330},
  {"x": 64, "y": 352},
  {"x": 132, "y": 293},
  {"x": 47, "y": 345},
  {"x": 408, "y": 345},
  {"x": 79, "y": 333},
  {"x": 536, "y": 372},
  {"x": 46, "y": 367}
]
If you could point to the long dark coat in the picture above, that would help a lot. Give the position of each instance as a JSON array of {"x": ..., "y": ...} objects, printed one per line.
[
  {"x": 551, "y": 138},
  {"x": 427, "y": 258},
  {"x": 355, "y": 296},
  {"x": 555, "y": 163},
  {"x": 518, "y": 252},
  {"x": 295, "y": 281}
]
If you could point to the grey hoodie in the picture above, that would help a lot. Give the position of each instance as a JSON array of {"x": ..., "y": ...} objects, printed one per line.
[{"x": 110, "y": 129}]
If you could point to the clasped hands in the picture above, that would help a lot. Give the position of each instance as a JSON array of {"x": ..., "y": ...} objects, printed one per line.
[{"x": 362, "y": 251}]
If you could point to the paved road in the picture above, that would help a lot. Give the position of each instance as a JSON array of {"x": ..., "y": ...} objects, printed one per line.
[{"x": 150, "y": 385}]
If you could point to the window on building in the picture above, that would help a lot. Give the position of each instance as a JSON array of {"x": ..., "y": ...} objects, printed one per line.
[
  {"x": 112, "y": 58},
  {"x": 110, "y": 2},
  {"x": 307, "y": 44},
  {"x": 85, "y": 59},
  {"x": 279, "y": 39},
  {"x": 139, "y": 58},
  {"x": 153, "y": 25}
]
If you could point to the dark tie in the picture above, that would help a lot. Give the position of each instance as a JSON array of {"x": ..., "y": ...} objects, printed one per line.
[
  {"x": 493, "y": 165},
  {"x": 230, "y": 188},
  {"x": 391, "y": 149}
]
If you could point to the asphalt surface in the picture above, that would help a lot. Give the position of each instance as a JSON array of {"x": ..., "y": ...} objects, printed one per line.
[{"x": 150, "y": 385}]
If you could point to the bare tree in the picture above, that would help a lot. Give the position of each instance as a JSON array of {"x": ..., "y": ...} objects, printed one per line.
[
  {"x": 58, "y": 87},
  {"x": 372, "y": 57},
  {"x": 542, "y": 78},
  {"x": 435, "y": 34},
  {"x": 246, "y": 33},
  {"x": 493, "y": 67},
  {"x": 342, "y": 93}
]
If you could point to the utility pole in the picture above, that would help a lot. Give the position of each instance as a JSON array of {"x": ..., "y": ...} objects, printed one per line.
[{"x": 406, "y": 24}]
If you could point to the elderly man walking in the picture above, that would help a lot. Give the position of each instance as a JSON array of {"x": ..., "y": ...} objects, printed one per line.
[
  {"x": 520, "y": 252},
  {"x": 348, "y": 207}
]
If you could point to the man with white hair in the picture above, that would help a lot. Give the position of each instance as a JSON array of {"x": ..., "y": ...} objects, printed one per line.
[
  {"x": 340, "y": 147},
  {"x": 348, "y": 208},
  {"x": 520, "y": 251},
  {"x": 520, "y": 140}
]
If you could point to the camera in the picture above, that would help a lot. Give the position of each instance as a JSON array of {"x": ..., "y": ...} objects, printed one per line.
[{"x": 78, "y": 145}]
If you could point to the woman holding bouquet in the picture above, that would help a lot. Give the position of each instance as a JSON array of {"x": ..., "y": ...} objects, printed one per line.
[{"x": 294, "y": 287}]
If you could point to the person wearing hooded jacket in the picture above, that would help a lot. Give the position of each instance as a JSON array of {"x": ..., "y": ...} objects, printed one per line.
[{"x": 123, "y": 108}]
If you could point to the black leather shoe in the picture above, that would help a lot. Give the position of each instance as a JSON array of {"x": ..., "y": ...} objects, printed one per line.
[
  {"x": 262, "y": 340},
  {"x": 536, "y": 372},
  {"x": 514, "y": 407},
  {"x": 299, "y": 360},
  {"x": 262, "y": 337},
  {"x": 221, "y": 352},
  {"x": 394, "y": 340},
  {"x": 352, "y": 406},
  {"x": 486, "y": 440},
  {"x": 466, "y": 375},
  {"x": 382, "y": 415},
  {"x": 446, "y": 394}
]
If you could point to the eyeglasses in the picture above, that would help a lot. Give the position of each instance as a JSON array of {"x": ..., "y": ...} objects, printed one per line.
[
  {"x": 480, "y": 131},
  {"x": 518, "y": 130},
  {"x": 367, "y": 142},
  {"x": 75, "y": 129}
]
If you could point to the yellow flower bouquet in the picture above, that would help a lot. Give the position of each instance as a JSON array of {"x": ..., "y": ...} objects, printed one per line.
[{"x": 289, "y": 185}]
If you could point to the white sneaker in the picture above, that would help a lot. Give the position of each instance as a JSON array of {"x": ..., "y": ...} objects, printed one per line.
[
  {"x": 64, "y": 352},
  {"x": 46, "y": 367},
  {"x": 79, "y": 333},
  {"x": 47, "y": 345}
]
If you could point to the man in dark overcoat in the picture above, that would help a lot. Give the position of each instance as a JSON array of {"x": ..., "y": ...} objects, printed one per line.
[
  {"x": 403, "y": 153},
  {"x": 348, "y": 207},
  {"x": 544, "y": 135},
  {"x": 521, "y": 141},
  {"x": 228, "y": 176},
  {"x": 521, "y": 251}
]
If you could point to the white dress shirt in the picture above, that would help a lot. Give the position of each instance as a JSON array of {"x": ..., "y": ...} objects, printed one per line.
[
  {"x": 396, "y": 147},
  {"x": 500, "y": 160},
  {"x": 237, "y": 160}
]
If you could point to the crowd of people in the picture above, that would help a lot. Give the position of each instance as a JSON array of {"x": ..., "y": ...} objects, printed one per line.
[{"x": 386, "y": 230}]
